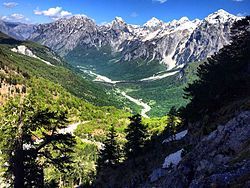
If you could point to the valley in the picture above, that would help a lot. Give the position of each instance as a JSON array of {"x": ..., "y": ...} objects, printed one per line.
[
  {"x": 116, "y": 85},
  {"x": 113, "y": 104}
]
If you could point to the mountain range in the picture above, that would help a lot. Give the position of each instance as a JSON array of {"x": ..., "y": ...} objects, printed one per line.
[{"x": 173, "y": 44}]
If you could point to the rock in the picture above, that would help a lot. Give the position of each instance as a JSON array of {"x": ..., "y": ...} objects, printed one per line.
[
  {"x": 156, "y": 174},
  {"x": 175, "y": 43},
  {"x": 220, "y": 159}
]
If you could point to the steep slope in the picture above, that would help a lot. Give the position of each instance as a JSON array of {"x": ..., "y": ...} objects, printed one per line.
[
  {"x": 211, "y": 147},
  {"x": 40, "y": 61},
  {"x": 20, "y": 31},
  {"x": 174, "y": 43}
]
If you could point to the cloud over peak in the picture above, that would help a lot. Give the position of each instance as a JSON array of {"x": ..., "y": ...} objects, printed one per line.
[{"x": 54, "y": 13}]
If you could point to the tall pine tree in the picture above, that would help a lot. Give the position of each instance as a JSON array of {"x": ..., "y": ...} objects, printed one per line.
[
  {"x": 136, "y": 135},
  {"x": 170, "y": 129},
  {"x": 30, "y": 140},
  {"x": 109, "y": 155},
  {"x": 224, "y": 78}
]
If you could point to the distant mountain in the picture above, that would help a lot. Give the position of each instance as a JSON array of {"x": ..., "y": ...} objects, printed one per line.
[
  {"x": 35, "y": 60},
  {"x": 17, "y": 30},
  {"x": 174, "y": 43}
]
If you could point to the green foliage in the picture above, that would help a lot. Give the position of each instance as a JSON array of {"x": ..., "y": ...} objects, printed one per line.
[
  {"x": 62, "y": 73},
  {"x": 105, "y": 62},
  {"x": 136, "y": 134},
  {"x": 31, "y": 140},
  {"x": 109, "y": 155},
  {"x": 82, "y": 171},
  {"x": 223, "y": 78},
  {"x": 169, "y": 93},
  {"x": 172, "y": 124}
]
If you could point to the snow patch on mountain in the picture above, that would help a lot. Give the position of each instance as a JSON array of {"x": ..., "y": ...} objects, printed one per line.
[
  {"x": 172, "y": 159},
  {"x": 177, "y": 136},
  {"x": 158, "y": 77},
  {"x": 173, "y": 43},
  {"x": 26, "y": 51}
]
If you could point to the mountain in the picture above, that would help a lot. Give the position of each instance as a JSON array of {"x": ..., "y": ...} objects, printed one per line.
[
  {"x": 121, "y": 51},
  {"x": 35, "y": 60},
  {"x": 174, "y": 43},
  {"x": 17, "y": 30},
  {"x": 210, "y": 147}
]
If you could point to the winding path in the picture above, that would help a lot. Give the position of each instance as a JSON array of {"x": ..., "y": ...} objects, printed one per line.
[{"x": 70, "y": 129}]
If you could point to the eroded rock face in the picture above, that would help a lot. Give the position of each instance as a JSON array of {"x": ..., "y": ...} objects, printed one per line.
[
  {"x": 174, "y": 43},
  {"x": 220, "y": 159}
]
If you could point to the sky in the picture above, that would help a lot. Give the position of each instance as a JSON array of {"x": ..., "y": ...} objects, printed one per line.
[{"x": 104, "y": 11}]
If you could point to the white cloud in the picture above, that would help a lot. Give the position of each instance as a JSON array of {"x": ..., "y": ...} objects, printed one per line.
[
  {"x": 10, "y": 4},
  {"x": 15, "y": 18},
  {"x": 54, "y": 13},
  {"x": 238, "y": 0},
  {"x": 160, "y": 1},
  {"x": 134, "y": 14}
]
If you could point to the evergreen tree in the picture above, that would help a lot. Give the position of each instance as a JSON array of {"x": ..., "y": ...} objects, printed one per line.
[
  {"x": 224, "y": 78},
  {"x": 136, "y": 134},
  {"x": 170, "y": 129},
  {"x": 109, "y": 155},
  {"x": 30, "y": 140}
]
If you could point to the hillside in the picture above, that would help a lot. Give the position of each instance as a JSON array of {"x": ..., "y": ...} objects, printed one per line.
[
  {"x": 40, "y": 61},
  {"x": 28, "y": 69},
  {"x": 211, "y": 147},
  {"x": 127, "y": 54},
  {"x": 120, "y": 50}
]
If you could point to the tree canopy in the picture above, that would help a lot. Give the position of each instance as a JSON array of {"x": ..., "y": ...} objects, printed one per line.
[
  {"x": 225, "y": 76},
  {"x": 31, "y": 140},
  {"x": 136, "y": 134}
]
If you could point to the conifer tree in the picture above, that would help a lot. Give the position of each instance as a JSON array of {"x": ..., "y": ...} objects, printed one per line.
[
  {"x": 109, "y": 155},
  {"x": 170, "y": 129},
  {"x": 224, "y": 78},
  {"x": 30, "y": 140},
  {"x": 136, "y": 135}
]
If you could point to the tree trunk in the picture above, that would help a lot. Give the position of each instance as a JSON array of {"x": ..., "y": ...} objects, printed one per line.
[
  {"x": 18, "y": 169},
  {"x": 18, "y": 162}
]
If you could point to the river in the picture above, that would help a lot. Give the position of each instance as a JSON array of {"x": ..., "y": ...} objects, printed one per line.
[{"x": 145, "y": 107}]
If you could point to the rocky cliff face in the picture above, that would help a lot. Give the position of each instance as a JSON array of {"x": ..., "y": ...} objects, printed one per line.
[
  {"x": 221, "y": 159},
  {"x": 174, "y": 43}
]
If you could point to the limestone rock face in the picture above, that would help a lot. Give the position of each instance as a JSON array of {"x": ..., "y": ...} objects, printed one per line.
[
  {"x": 174, "y": 43},
  {"x": 219, "y": 159}
]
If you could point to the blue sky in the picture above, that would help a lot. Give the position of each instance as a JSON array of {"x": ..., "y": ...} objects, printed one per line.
[{"x": 132, "y": 11}]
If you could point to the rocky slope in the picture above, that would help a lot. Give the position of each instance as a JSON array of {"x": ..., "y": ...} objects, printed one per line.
[
  {"x": 221, "y": 159},
  {"x": 173, "y": 43}
]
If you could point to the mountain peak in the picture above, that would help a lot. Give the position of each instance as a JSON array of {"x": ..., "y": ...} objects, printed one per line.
[
  {"x": 183, "y": 19},
  {"x": 220, "y": 16},
  {"x": 153, "y": 22},
  {"x": 119, "y": 19},
  {"x": 80, "y": 16},
  {"x": 117, "y": 23}
]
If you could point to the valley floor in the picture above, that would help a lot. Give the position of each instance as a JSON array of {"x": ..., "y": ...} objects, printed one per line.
[{"x": 145, "y": 106}]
